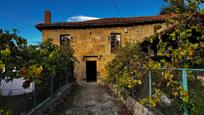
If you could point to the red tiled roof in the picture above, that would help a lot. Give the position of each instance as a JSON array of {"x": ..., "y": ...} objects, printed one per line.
[{"x": 104, "y": 22}]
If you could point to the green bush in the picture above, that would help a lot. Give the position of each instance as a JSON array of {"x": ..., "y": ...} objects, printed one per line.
[{"x": 124, "y": 70}]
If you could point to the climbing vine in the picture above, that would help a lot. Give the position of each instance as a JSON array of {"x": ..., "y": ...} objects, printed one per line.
[{"x": 178, "y": 46}]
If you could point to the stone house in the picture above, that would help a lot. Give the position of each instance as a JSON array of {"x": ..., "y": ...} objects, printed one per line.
[{"x": 95, "y": 41}]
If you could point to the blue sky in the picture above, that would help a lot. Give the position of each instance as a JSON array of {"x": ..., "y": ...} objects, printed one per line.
[{"x": 25, "y": 14}]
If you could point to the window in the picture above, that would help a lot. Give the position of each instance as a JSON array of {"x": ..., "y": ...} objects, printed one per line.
[
  {"x": 65, "y": 40},
  {"x": 115, "y": 41}
]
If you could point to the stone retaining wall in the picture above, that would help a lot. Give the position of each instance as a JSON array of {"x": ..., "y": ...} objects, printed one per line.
[
  {"x": 51, "y": 104},
  {"x": 133, "y": 106}
]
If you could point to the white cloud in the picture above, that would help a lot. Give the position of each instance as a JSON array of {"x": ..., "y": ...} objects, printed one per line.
[{"x": 80, "y": 18}]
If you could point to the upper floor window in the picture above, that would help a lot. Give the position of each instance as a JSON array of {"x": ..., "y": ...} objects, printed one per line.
[
  {"x": 115, "y": 41},
  {"x": 65, "y": 40}
]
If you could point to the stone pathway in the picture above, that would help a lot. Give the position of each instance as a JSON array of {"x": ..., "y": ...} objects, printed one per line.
[{"x": 95, "y": 99}]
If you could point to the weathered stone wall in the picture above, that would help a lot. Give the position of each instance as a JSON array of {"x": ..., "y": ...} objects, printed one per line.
[
  {"x": 50, "y": 105},
  {"x": 133, "y": 106},
  {"x": 95, "y": 44}
]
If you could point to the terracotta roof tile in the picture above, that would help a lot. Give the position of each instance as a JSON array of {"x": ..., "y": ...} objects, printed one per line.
[{"x": 104, "y": 22}]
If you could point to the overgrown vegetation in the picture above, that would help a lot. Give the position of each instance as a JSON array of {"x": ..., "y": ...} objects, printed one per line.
[
  {"x": 18, "y": 59},
  {"x": 179, "y": 45},
  {"x": 37, "y": 63},
  {"x": 123, "y": 70}
]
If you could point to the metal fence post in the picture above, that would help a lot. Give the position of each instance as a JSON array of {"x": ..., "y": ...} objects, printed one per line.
[
  {"x": 150, "y": 82},
  {"x": 185, "y": 85},
  {"x": 67, "y": 77},
  {"x": 51, "y": 86},
  {"x": 60, "y": 75},
  {"x": 34, "y": 94},
  {"x": 68, "y": 74}
]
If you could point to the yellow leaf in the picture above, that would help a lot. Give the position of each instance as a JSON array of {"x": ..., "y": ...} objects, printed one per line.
[
  {"x": 2, "y": 65},
  {"x": 139, "y": 82},
  {"x": 175, "y": 93},
  {"x": 154, "y": 104},
  {"x": 6, "y": 52}
]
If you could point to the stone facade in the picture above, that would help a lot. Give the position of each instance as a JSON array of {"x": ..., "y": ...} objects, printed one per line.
[{"x": 95, "y": 44}]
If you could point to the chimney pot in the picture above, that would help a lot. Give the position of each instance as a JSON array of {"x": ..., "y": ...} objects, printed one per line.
[{"x": 47, "y": 17}]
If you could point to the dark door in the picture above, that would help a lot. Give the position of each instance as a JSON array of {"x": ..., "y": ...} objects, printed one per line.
[{"x": 91, "y": 71}]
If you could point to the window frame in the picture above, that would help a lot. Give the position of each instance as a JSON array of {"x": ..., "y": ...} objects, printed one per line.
[
  {"x": 117, "y": 43},
  {"x": 67, "y": 40}
]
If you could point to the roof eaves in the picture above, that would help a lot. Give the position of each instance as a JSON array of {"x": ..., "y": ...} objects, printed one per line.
[{"x": 101, "y": 23}]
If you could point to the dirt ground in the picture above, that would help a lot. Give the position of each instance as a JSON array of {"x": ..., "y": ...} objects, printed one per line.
[{"x": 94, "y": 99}]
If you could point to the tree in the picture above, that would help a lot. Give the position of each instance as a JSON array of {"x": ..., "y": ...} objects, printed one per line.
[
  {"x": 11, "y": 46},
  {"x": 176, "y": 46},
  {"x": 174, "y": 6},
  {"x": 33, "y": 62},
  {"x": 182, "y": 39}
]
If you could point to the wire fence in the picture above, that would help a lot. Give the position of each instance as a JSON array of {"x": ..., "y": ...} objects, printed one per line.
[
  {"x": 42, "y": 90},
  {"x": 190, "y": 80}
]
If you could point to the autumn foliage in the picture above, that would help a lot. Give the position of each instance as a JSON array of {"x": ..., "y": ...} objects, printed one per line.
[{"x": 32, "y": 62}]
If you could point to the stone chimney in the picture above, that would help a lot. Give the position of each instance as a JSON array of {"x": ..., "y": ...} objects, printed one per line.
[{"x": 47, "y": 17}]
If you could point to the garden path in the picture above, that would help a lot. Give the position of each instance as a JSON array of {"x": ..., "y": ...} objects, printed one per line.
[{"x": 95, "y": 99}]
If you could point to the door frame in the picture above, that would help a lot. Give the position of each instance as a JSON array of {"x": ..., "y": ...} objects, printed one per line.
[{"x": 88, "y": 80}]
